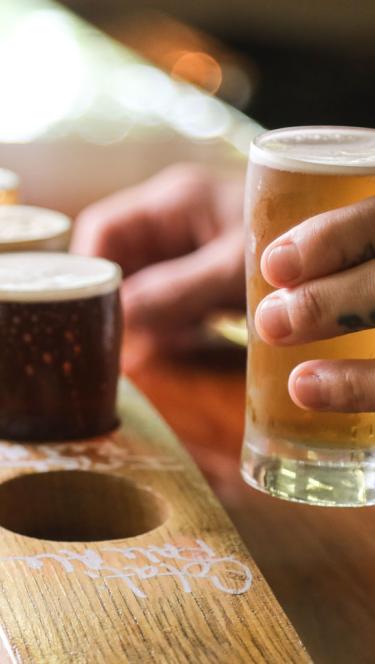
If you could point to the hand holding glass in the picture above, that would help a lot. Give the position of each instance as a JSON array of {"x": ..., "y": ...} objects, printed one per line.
[{"x": 314, "y": 456}]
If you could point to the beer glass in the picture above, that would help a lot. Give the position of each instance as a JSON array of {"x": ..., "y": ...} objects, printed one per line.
[
  {"x": 323, "y": 458},
  {"x": 60, "y": 338},
  {"x": 30, "y": 228},
  {"x": 9, "y": 185}
]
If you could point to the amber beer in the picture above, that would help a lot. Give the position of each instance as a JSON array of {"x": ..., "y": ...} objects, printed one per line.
[
  {"x": 323, "y": 457},
  {"x": 9, "y": 187}
]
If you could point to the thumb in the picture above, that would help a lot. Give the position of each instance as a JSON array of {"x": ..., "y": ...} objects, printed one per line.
[{"x": 182, "y": 291}]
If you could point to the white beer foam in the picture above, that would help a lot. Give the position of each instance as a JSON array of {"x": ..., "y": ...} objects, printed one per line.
[
  {"x": 22, "y": 223},
  {"x": 42, "y": 276},
  {"x": 8, "y": 179},
  {"x": 331, "y": 150}
]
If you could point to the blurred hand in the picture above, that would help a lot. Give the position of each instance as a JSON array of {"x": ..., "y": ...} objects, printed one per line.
[
  {"x": 324, "y": 273},
  {"x": 178, "y": 238}
]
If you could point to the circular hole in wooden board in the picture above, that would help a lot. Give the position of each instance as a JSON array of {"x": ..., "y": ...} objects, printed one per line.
[{"x": 78, "y": 506}]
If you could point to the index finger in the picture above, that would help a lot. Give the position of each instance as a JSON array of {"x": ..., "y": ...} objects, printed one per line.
[
  {"x": 116, "y": 228},
  {"x": 150, "y": 222},
  {"x": 322, "y": 245}
]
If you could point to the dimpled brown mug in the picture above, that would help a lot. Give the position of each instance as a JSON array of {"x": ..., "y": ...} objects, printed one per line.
[{"x": 60, "y": 336}]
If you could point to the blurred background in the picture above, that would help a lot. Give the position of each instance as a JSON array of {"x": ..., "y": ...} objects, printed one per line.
[
  {"x": 90, "y": 106},
  {"x": 283, "y": 62}
]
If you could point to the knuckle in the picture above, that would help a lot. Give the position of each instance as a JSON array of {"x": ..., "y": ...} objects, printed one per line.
[
  {"x": 328, "y": 238},
  {"x": 91, "y": 229},
  {"x": 193, "y": 181},
  {"x": 308, "y": 310},
  {"x": 185, "y": 173},
  {"x": 88, "y": 218},
  {"x": 352, "y": 394}
]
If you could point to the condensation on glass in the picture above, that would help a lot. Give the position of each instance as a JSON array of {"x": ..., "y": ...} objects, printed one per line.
[{"x": 320, "y": 458}]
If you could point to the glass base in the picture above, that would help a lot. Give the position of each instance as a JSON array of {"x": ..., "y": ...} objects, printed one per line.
[{"x": 328, "y": 477}]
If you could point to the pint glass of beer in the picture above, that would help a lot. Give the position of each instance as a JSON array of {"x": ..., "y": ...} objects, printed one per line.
[{"x": 322, "y": 458}]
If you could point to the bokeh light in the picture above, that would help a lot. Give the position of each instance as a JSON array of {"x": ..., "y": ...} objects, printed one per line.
[
  {"x": 63, "y": 78},
  {"x": 143, "y": 91},
  {"x": 199, "y": 116},
  {"x": 41, "y": 75},
  {"x": 200, "y": 69}
]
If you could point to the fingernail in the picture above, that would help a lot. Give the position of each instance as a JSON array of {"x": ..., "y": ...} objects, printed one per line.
[
  {"x": 284, "y": 262},
  {"x": 309, "y": 391},
  {"x": 273, "y": 318}
]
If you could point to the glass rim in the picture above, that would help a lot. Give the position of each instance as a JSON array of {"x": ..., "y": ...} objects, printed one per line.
[
  {"x": 102, "y": 277},
  {"x": 53, "y": 224},
  {"x": 266, "y": 156}
]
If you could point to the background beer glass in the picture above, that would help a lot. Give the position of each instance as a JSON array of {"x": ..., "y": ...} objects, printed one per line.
[
  {"x": 29, "y": 228},
  {"x": 60, "y": 340},
  {"x": 320, "y": 458},
  {"x": 9, "y": 186}
]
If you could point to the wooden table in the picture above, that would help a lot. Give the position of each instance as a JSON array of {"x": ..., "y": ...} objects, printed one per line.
[{"x": 320, "y": 562}]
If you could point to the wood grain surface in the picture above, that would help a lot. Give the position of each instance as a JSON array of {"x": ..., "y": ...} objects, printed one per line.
[
  {"x": 318, "y": 561},
  {"x": 115, "y": 550}
]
